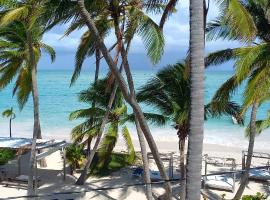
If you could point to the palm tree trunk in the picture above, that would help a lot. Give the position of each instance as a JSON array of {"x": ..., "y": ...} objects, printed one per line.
[
  {"x": 182, "y": 142},
  {"x": 195, "y": 140},
  {"x": 132, "y": 101},
  {"x": 244, "y": 179},
  {"x": 146, "y": 172},
  {"x": 36, "y": 129},
  {"x": 10, "y": 119},
  {"x": 94, "y": 102},
  {"x": 83, "y": 175}
]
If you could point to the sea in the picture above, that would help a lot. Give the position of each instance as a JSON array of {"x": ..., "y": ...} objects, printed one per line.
[{"x": 58, "y": 99}]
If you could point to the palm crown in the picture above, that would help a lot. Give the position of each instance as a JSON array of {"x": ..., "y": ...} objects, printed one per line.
[
  {"x": 169, "y": 92},
  {"x": 100, "y": 93},
  {"x": 14, "y": 58}
]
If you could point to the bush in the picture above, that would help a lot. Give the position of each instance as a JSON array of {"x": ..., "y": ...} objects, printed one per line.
[
  {"x": 6, "y": 155},
  {"x": 258, "y": 196},
  {"x": 75, "y": 157}
]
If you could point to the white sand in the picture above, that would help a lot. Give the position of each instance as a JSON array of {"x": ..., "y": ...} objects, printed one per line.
[{"x": 52, "y": 179}]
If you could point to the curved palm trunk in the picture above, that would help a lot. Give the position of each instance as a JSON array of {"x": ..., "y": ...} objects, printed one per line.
[
  {"x": 146, "y": 172},
  {"x": 83, "y": 175},
  {"x": 195, "y": 140},
  {"x": 94, "y": 102},
  {"x": 132, "y": 101},
  {"x": 36, "y": 130},
  {"x": 244, "y": 179},
  {"x": 124, "y": 53}
]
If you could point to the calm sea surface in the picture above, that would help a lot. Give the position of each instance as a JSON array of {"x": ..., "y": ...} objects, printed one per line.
[{"x": 57, "y": 100}]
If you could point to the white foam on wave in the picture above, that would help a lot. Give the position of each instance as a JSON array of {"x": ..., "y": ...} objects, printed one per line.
[{"x": 226, "y": 136}]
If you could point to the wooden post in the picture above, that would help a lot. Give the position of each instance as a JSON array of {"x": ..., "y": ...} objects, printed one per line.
[
  {"x": 205, "y": 171},
  {"x": 35, "y": 175},
  {"x": 243, "y": 160},
  {"x": 172, "y": 163},
  {"x": 64, "y": 163},
  {"x": 19, "y": 162}
]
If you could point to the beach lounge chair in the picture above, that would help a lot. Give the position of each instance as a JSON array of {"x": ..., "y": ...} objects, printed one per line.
[
  {"x": 258, "y": 174},
  {"x": 167, "y": 161},
  {"x": 221, "y": 181}
]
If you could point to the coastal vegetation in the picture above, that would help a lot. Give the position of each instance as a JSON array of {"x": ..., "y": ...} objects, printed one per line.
[
  {"x": 6, "y": 155},
  {"x": 251, "y": 65},
  {"x": 176, "y": 91},
  {"x": 9, "y": 113}
]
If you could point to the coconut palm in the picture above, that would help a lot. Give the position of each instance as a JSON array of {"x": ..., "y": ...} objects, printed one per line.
[
  {"x": 251, "y": 63},
  {"x": 28, "y": 14},
  {"x": 9, "y": 113},
  {"x": 100, "y": 93},
  {"x": 169, "y": 93},
  {"x": 129, "y": 98},
  {"x": 195, "y": 140}
]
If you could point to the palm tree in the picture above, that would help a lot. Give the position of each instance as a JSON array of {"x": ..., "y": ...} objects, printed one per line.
[
  {"x": 100, "y": 93},
  {"x": 11, "y": 115},
  {"x": 27, "y": 13},
  {"x": 169, "y": 93},
  {"x": 251, "y": 63},
  {"x": 195, "y": 140},
  {"x": 129, "y": 98}
]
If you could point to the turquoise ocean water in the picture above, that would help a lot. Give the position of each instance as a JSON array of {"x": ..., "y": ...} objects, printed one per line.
[{"x": 57, "y": 100}]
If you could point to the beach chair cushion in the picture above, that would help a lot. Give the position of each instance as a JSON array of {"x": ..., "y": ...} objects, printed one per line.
[
  {"x": 219, "y": 182},
  {"x": 155, "y": 176},
  {"x": 260, "y": 174},
  {"x": 137, "y": 172}
]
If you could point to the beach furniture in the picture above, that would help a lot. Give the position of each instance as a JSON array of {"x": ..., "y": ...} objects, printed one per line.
[
  {"x": 262, "y": 174},
  {"x": 137, "y": 172},
  {"x": 221, "y": 180},
  {"x": 18, "y": 175},
  {"x": 168, "y": 163}
]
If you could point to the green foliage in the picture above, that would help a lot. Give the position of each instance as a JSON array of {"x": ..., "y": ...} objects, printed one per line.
[
  {"x": 9, "y": 113},
  {"x": 6, "y": 155},
  {"x": 14, "y": 58},
  {"x": 99, "y": 93},
  {"x": 169, "y": 93},
  {"x": 116, "y": 162},
  {"x": 75, "y": 157},
  {"x": 258, "y": 196},
  {"x": 234, "y": 22}
]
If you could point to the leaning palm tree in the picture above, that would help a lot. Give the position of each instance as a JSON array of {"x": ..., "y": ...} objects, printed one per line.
[
  {"x": 9, "y": 113},
  {"x": 251, "y": 62},
  {"x": 129, "y": 98},
  {"x": 27, "y": 13},
  {"x": 169, "y": 93}
]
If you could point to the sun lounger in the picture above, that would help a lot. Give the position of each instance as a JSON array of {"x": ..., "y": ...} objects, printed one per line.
[
  {"x": 223, "y": 181},
  {"x": 155, "y": 176},
  {"x": 259, "y": 174}
]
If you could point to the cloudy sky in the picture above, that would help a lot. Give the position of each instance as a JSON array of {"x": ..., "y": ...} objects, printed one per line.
[{"x": 176, "y": 34}]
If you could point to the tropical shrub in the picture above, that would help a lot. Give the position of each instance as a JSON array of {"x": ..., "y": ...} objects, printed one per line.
[
  {"x": 6, "y": 155},
  {"x": 75, "y": 157},
  {"x": 258, "y": 196}
]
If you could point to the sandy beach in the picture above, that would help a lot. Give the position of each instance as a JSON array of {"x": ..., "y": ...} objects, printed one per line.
[{"x": 52, "y": 179}]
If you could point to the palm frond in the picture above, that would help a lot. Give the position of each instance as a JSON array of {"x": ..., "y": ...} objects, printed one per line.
[
  {"x": 129, "y": 145},
  {"x": 48, "y": 49}
]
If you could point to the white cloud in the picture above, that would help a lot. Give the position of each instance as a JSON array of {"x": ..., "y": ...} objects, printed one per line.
[{"x": 176, "y": 32}]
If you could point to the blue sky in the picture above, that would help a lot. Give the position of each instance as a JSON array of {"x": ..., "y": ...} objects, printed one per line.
[{"x": 176, "y": 34}]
